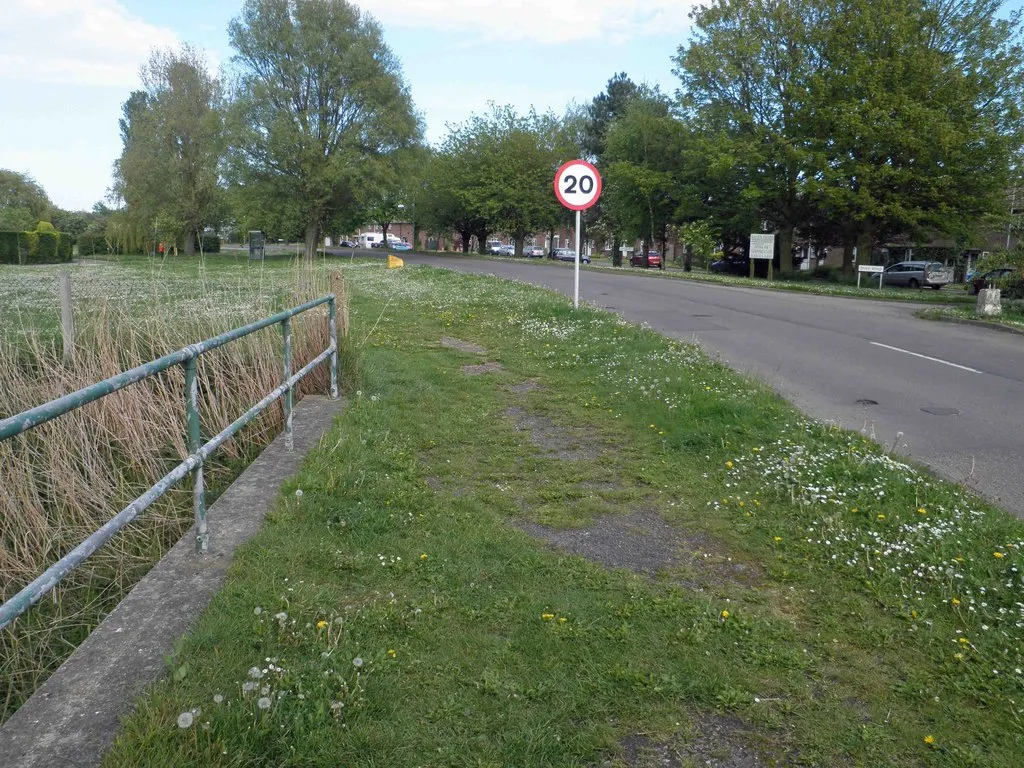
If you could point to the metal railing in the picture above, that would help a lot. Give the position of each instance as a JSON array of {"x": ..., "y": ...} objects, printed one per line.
[{"x": 188, "y": 357}]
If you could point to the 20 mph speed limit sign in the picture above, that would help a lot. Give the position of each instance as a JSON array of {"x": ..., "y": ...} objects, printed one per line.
[{"x": 577, "y": 185}]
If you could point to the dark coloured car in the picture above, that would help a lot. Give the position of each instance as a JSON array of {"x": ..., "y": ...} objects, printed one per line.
[
  {"x": 347, "y": 244},
  {"x": 568, "y": 254},
  {"x": 981, "y": 281},
  {"x": 731, "y": 265}
]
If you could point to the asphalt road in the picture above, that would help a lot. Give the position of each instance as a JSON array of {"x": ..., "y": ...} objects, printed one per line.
[{"x": 958, "y": 400}]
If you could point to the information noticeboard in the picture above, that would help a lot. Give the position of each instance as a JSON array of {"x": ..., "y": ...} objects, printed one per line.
[
  {"x": 257, "y": 241},
  {"x": 762, "y": 246}
]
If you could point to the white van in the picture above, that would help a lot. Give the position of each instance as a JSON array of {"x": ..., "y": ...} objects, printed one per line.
[{"x": 370, "y": 239}]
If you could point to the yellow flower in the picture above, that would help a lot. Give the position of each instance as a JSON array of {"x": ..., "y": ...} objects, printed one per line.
[
  {"x": 958, "y": 656},
  {"x": 547, "y": 616},
  {"x": 321, "y": 624},
  {"x": 562, "y": 619},
  {"x": 724, "y": 614},
  {"x": 954, "y": 601},
  {"x": 741, "y": 503},
  {"x": 920, "y": 510},
  {"x": 728, "y": 464},
  {"x": 650, "y": 426},
  {"x": 963, "y": 641},
  {"x": 854, "y": 509},
  {"x": 998, "y": 555},
  {"x": 929, "y": 739},
  {"x": 881, "y": 517},
  {"x": 391, "y": 653},
  {"x": 423, "y": 556},
  {"x": 778, "y": 538}
]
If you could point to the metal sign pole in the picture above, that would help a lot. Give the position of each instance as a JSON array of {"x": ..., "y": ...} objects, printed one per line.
[{"x": 576, "y": 288}]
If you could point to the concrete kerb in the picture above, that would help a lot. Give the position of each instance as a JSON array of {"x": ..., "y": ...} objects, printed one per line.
[{"x": 73, "y": 718}]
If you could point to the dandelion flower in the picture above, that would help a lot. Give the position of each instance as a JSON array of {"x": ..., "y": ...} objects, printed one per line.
[
  {"x": 257, "y": 610},
  {"x": 562, "y": 619},
  {"x": 218, "y": 698},
  {"x": 423, "y": 556},
  {"x": 921, "y": 511},
  {"x": 391, "y": 653},
  {"x": 929, "y": 739},
  {"x": 357, "y": 662},
  {"x": 321, "y": 624},
  {"x": 728, "y": 464},
  {"x": 881, "y": 517},
  {"x": 255, "y": 673},
  {"x": 263, "y": 703},
  {"x": 185, "y": 720},
  {"x": 998, "y": 555},
  {"x": 964, "y": 641},
  {"x": 778, "y": 538},
  {"x": 724, "y": 614},
  {"x": 547, "y": 616},
  {"x": 954, "y": 601}
]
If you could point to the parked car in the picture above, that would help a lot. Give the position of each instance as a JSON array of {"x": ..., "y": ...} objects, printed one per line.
[
  {"x": 346, "y": 244},
  {"x": 506, "y": 250},
  {"x": 732, "y": 264},
  {"x": 494, "y": 247},
  {"x": 533, "y": 251},
  {"x": 653, "y": 260},
  {"x": 977, "y": 282},
  {"x": 917, "y": 274},
  {"x": 568, "y": 254},
  {"x": 401, "y": 247}
]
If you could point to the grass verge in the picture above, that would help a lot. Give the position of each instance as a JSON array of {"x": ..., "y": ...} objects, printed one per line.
[
  {"x": 957, "y": 314},
  {"x": 432, "y": 589}
]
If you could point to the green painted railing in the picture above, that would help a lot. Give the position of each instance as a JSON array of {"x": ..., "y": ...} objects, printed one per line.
[{"x": 187, "y": 357}]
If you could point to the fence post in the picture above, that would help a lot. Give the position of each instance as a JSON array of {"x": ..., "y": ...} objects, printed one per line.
[
  {"x": 195, "y": 442},
  {"x": 333, "y": 328},
  {"x": 341, "y": 299},
  {"x": 67, "y": 316},
  {"x": 286, "y": 331}
]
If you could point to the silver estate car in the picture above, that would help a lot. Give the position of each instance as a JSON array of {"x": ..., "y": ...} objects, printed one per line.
[{"x": 918, "y": 274}]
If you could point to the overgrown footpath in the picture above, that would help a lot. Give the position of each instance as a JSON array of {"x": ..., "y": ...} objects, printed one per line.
[{"x": 539, "y": 538}]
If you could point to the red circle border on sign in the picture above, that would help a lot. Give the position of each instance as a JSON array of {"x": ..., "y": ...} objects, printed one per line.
[{"x": 558, "y": 193}]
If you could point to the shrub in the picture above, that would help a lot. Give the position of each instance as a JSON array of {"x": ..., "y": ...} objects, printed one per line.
[
  {"x": 45, "y": 226},
  {"x": 91, "y": 243},
  {"x": 1011, "y": 289},
  {"x": 64, "y": 244},
  {"x": 9, "y": 244},
  {"x": 210, "y": 243}
]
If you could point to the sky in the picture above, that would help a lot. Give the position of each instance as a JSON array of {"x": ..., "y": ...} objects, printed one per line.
[{"x": 66, "y": 66}]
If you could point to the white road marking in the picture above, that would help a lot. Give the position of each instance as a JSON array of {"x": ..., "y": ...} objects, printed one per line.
[{"x": 925, "y": 357}]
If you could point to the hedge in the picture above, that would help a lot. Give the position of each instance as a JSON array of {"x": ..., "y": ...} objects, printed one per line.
[
  {"x": 35, "y": 247},
  {"x": 91, "y": 243}
]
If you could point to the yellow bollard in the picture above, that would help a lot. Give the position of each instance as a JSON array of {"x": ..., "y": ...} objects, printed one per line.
[{"x": 394, "y": 262}]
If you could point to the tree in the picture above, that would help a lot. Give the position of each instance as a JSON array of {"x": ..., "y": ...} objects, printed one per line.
[
  {"x": 643, "y": 160},
  {"x": 23, "y": 202},
  {"x": 173, "y": 142},
  {"x": 745, "y": 78},
  {"x": 917, "y": 122},
  {"x": 319, "y": 104}
]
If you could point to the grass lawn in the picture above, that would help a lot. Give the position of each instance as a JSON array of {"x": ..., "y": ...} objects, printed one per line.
[
  {"x": 545, "y": 537},
  {"x": 1009, "y": 320}
]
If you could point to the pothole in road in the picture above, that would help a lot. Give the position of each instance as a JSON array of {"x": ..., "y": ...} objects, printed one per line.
[{"x": 936, "y": 410}]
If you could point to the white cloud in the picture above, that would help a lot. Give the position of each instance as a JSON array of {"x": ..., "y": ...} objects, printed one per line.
[
  {"x": 541, "y": 21},
  {"x": 76, "y": 42}
]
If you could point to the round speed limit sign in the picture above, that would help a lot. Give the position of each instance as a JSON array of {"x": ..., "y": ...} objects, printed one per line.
[{"x": 577, "y": 185}]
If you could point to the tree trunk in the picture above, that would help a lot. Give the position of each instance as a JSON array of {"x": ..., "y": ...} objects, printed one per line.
[
  {"x": 848, "y": 241},
  {"x": 312, "y": 236},
  {"x": 646, "y": 245},
  {"x": 190, "y": 242},
  {"x": 551, "y": 243},
  {"x": 864, "y": 242},
  {"x": 688, "y": 259},
  {"x": 616, "y": 252},
  {"x": 518, "y": 240},
  {"x": 465, "y": 235},
  {"x": 481, "y": 241},
  {"x": 786, "y": 250}
]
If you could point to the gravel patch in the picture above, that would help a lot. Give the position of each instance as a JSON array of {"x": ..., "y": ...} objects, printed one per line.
[
  {"x": 463, "y": 346},
  {"x": 569, "y": 444},
  {"x": 477, "y": 370}
]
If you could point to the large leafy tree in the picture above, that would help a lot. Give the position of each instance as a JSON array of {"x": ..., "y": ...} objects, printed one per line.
[
  {"x": 644, "y": 163},
  {"x": 916, "y": 120},
  {"x": 23, "y": 202},
  {"x": 172, "y": 132},
  {"x": 320, "y": 106},
  {"x": 745, "y": 78}
]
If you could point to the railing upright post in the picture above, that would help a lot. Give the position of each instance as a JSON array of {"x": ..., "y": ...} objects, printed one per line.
[
  {"x": 286, "y": 332},
  {"x": 195, "y": 442},
  {"x": 333, "y": 324}
]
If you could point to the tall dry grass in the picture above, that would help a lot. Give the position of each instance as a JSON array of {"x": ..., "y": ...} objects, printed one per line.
[{"x": 62, "y": 480}]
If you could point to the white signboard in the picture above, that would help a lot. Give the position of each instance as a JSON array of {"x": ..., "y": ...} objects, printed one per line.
[
  {"x": 870, "y": 268},
  {"x": 762, "y": 246}
]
